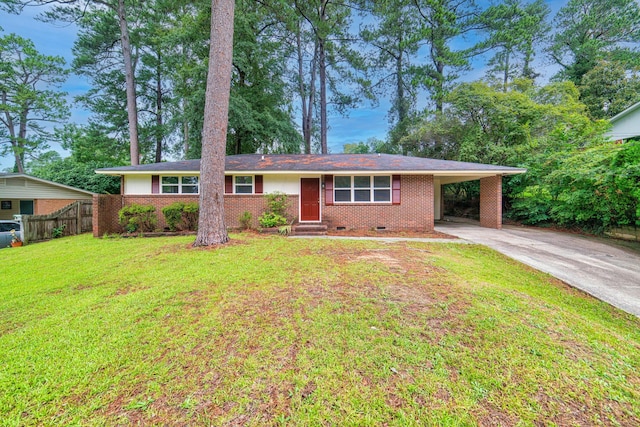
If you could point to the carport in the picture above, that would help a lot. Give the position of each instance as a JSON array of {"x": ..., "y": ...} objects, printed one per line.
[{"x": 490, "y": 195}]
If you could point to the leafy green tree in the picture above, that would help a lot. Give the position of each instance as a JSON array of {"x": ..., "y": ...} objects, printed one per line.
[
  {"x": 93, "y": 143},
  {"x": 609, "y": 88},
  {"x": 594, "y": 187},
  {"x": 356, "y": 148},
  {"x": 588, "y": 31},
  {"x": 260, "y": 106},
  {"x": 372, "y": 145},
  {"x": 28, "y": 102},
  {"x": 70, "y": 172}
]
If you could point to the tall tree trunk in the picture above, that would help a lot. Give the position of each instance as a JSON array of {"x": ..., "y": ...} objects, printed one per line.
[
  {"x": 323, "y": 97},
  {"x": 15, "y": 146},
  {"x": 505, "y": 80},
  {"x": 307, "y": 94},
  {"x": 159, "y": 132},
  {"x": 132, "y": 108},
  {"x": 303, "y": 93},
  {"x": 211, "y": 227},
  {"x": 185, "y": 128},
  {"x": 439, "y": 96}
]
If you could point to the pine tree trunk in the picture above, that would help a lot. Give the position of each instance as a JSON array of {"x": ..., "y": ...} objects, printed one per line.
[
  {"x": 132, "y": 107},
  {"x": 211, "y": 226},
  {"x": 323, "y": 99}
]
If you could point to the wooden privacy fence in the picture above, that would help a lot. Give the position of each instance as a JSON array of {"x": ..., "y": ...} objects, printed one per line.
[
  {"x": 75, "y": 218},
  {"x": 625, "y": 233}
]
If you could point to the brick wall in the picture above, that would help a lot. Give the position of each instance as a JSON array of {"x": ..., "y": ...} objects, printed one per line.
[
  {"x": 159, "y": 201},
  {"x": 491, "y": 202},
  {"x": 105, "y": 214},
  {"x": 47, "y": 206},
  {"x": 415, "y": 211},
  {"x": 235, "y": 205}
]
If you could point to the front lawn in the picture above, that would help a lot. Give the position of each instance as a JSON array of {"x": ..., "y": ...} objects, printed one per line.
[{"x": 278, "y": 331}]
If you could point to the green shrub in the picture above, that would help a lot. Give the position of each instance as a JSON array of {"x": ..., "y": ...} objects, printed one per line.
[
  {"x": 58, "y": 231},
  {"x": 173, "y": 215},
  {"x": 138, "y": 218},
  {"x": 181, "y": 216},
  {"x": 270, "y": 219},
  {"x": 190, "y": 215},
  {"x": 246, "y": 220},
  {"x": 277, "y": 203}
]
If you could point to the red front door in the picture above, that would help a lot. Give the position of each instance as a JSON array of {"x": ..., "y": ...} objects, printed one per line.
[{"x": 309, "y": 199}]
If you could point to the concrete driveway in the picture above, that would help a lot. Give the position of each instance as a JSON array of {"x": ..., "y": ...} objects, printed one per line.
[{"x": 603, "y": 269}]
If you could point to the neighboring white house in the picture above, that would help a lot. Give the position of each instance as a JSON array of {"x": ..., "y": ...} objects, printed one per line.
[{"x": 626, "y": 124}]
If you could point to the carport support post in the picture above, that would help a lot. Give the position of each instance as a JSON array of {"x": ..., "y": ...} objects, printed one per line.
[{"x": 491, "y": 202}]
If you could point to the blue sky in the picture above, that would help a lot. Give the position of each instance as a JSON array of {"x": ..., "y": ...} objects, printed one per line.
[{"x": 360, "y": 125}]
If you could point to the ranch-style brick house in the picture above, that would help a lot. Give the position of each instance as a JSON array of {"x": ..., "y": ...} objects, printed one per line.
[{"x": 342, "y": 191}]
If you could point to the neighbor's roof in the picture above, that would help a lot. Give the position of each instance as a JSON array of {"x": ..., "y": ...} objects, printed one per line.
[
  {"x": 320, "y": 163},
  {"x": 43, "y": 181},
  {"x": 624, "y": 113}
]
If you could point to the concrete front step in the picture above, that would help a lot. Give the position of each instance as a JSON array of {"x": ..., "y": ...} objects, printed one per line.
[{"x": 309, "y": 229}]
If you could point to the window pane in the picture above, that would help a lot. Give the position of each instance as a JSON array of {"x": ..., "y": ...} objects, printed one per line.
[
  {"x": 189, "y": 180},
  {"x": 361, "y": 182},
  {"x": 382, "y": 181},
  {"x": 343, "y": 196},
  {"x": 243, "y": 189},
  {"x": 382, "y": 195},
  {"x": 244, "y": 180},
  {"x": 171, "y": 189},
  {"x": 190, "y": 189},
  {"x": 342, "y": 182},
  {"x": 362, "y": 195},
  {"x": 169, "y": 179}
]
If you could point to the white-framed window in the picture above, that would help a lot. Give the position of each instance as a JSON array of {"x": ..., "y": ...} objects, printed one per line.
[
  {"x": 187, "y": 184},
  {"x": 243, "y": 184},
  {"x": 362, "y": 189}
]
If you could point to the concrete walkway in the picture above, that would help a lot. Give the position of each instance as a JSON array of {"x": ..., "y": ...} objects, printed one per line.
[{"x": 603, "y": 269}]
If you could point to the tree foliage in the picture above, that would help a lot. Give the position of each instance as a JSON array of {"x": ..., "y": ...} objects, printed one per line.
[
  {"x": 514, "y": 29},
  {"x": 29, "y": 101},
  {"x": 609, "y": 88},
  {"x": 77, "y": 174},
  {"x": 588, "y": 31}
]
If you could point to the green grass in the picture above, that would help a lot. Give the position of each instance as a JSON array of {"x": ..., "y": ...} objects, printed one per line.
[{"x": 276, "y": 331}]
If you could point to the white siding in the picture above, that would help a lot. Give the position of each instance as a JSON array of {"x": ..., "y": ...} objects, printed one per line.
[
  {"x": 24, "y": 188},
  {"x": 137, "y": 184},
  {"x": 627, "y": 126},
  {"x": 289, "y": 184}
]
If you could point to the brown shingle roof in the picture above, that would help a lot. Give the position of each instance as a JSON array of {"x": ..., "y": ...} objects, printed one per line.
[{"x": 324, "y": 163}]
